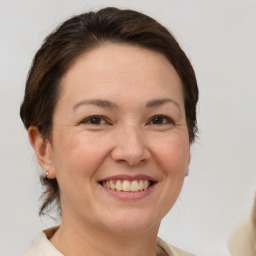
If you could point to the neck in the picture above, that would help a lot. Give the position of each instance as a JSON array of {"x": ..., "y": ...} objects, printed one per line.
[{"x": 75, "y": 239}]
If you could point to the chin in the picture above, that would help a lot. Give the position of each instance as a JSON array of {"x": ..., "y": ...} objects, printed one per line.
[{"x": 132, "y": 222}]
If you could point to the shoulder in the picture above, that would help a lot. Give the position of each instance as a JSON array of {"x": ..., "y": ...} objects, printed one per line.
[
  {"x": 172, "y": 250},
  {"x": 42, "y": 246}
]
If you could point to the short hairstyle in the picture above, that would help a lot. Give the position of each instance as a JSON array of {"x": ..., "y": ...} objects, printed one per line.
[{"x": 83, "y": 33}]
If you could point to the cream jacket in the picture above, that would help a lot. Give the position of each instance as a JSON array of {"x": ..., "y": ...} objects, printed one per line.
[{"x": 43, "y": 247}]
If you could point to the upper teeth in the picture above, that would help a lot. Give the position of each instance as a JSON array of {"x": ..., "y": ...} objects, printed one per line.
[{"x": 126, "y": 185}]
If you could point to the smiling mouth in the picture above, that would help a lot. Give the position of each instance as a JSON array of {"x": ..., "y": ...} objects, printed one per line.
[{"x": 127, "y": 185}]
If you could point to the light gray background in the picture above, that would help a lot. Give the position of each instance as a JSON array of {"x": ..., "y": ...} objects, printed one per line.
[{"x": 220, "y": 39}]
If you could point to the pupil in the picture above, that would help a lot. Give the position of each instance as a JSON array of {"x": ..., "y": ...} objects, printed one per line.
[
  {"x": 158, "y": 120},
  {"x": 95, "y": 120}
]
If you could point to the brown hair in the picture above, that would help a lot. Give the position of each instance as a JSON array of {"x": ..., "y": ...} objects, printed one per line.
[{"x": 86, "y": 32}]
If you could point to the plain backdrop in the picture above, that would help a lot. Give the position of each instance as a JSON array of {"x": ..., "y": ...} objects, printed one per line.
[{"x": 220, "y": 39}]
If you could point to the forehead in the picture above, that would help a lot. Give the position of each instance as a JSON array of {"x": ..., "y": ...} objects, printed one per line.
[{"x": 119, "y": 69}]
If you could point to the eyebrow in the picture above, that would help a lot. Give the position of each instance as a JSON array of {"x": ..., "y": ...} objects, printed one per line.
[
  {"x": 108, "y": 104},
  {"x": 97, "y": 102},
  {"x": 159, "y": 102}
]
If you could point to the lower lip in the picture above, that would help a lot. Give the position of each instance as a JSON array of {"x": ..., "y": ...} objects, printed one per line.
[{"x": 129, "y": 196}]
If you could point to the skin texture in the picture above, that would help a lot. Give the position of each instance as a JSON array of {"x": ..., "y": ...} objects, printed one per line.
[{"x": 141, "y": 131}]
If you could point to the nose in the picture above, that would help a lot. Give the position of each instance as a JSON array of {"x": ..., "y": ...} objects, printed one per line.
[{"x": 130, "y": 146}]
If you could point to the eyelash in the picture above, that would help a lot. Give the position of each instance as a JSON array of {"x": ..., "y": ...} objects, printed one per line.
[
  {"x": 98, "y": 118},
  {"x": 160, "y": 120}
]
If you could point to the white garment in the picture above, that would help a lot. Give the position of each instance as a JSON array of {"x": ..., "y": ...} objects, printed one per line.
[{"x": 43, "y": 247}]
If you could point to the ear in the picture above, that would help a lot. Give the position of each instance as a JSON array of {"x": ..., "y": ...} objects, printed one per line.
[{"x": 43, "y": 150}]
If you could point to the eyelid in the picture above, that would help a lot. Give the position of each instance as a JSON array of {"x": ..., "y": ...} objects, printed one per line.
[
  {"x": 170, "y": 120},
  {"x": 87, "y": 119}
]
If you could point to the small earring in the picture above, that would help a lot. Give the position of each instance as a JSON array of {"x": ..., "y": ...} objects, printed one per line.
[
  {"x": 46, "y": 173},
  {"x": 187, "y": 172}
]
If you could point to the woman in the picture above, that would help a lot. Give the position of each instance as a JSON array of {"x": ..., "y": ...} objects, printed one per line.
[{"x": 110, "y": 108}]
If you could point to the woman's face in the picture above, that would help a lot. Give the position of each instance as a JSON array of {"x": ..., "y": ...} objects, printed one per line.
[{"x": 120, "y": 145}]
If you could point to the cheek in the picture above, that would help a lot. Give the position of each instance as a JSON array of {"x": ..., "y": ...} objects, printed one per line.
[
  {"x": 173, "y": 158},
  {"x": 78, "y": 154},
  {"x": 173, "y": 155}
]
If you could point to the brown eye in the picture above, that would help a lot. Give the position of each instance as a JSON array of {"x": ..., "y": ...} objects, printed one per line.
[
  {"x": 161, "y": 120},
  {"x": 95, "y": 120}
]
